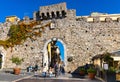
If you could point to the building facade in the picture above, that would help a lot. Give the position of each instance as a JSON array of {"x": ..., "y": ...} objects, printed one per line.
[{"x": 81, "y": 37}]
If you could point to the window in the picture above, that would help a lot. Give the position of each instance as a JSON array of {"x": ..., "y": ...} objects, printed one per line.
[
  {"x": 58, "y": 14},
  {"x": 63, "y": 13},
  {"x": 48, "y": 15},
  {"x": 53, "y": 15},
  {"x": 43, "y": 16}
]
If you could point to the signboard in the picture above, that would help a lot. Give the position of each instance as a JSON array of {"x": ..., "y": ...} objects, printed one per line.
[{"x": 105, "y": 66}]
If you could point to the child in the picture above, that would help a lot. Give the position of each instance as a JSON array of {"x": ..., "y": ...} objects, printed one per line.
[
  {"x": 44, "y": 72},
  {"x": 50, "y": 72}
]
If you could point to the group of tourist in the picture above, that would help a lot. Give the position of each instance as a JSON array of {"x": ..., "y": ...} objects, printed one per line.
[
  {"x": 57, "y": 70},
  {"x": 32, "y": 68}
]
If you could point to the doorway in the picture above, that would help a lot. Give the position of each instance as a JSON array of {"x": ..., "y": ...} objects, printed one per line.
[
  {"x": 54, "y": 51},
  {"x": 1, "y": 58}
]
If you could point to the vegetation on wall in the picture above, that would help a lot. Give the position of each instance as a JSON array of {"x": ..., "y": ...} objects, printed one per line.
[
  {"x": 108, "y": 59},
  {"x": 19, "y": 33}
]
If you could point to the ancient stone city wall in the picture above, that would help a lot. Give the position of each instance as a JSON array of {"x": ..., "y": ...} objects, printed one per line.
[{"x": 82, "y": 40}]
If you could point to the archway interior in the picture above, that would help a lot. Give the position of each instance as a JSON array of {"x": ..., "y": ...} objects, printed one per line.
[
  {"x": 55, "y": 53},
  {"x": 1, "y": 60},
  {"x": 61, "y": 48}
]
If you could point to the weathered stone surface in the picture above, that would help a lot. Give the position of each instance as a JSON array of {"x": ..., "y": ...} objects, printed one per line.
[{"x": 82, "y": 39}]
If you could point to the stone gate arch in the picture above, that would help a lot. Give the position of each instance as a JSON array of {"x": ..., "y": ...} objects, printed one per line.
[
  {"x": 45, "y": 52},
  {"x": 2, "y": 59}
]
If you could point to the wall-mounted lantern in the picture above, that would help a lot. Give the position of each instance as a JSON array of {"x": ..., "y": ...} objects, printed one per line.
[{"x": 70, "y": 59}]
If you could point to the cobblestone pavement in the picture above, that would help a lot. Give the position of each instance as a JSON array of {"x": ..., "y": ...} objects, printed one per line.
[
  {"x": 29, "y": 77},
  {"x": 8, "y": 77},
  {"x": 58, "y": 80},
  {"x": 64, "y": 78}
]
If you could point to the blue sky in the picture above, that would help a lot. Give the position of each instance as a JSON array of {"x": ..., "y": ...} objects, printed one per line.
[{"x": 23, "y": 8}]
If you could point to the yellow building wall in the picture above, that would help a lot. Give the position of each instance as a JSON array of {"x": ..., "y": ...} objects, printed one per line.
[
  {"x": 102, "y": 17},
  {"x": 90, "y": 19},
  {"x": 11, "y": 19},
  {"x": 97, "y": 62}
]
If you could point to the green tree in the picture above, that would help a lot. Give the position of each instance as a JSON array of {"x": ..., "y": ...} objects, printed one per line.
[{"x": 108, "y": 59}]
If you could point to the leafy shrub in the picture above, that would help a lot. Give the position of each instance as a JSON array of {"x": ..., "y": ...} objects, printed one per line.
[
  {"x": 111, "y": 69},
  {"x": 82, "y": 69},
  {"x": 91, "y": 70},
  {"x": 16, "y": 60}
]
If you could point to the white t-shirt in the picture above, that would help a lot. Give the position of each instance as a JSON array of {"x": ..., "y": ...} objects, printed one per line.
[{"x": 44, "y": 69}]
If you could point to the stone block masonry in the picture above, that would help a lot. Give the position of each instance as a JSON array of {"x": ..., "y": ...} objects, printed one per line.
[{"x": 83, "y": 39}]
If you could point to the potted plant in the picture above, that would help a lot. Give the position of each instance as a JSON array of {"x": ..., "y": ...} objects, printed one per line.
[
  {"x": 17, "y": 61},
  {"x": 91, "y": 73},
  {"x": 82, "y": 71}
]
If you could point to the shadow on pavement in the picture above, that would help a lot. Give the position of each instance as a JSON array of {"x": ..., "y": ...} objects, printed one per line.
[{"x": 77, "y": 75}]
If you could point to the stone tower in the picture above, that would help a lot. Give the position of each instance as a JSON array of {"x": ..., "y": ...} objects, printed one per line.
[{"x": 82, "y": 37}]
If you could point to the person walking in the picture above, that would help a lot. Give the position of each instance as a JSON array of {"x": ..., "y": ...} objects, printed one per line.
[
  {"x": 44, "y": 72},
  {"x": 56, "y": 68},
  {"x": 62, "y": 68},
  {"x": 50, "y": 72},
  {"x": 36, "y": 68}
]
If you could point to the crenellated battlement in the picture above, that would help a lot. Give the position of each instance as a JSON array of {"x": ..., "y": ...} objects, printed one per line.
[
  {"x": 51, "y": 11},
  {"x": 83, "y": 36}
]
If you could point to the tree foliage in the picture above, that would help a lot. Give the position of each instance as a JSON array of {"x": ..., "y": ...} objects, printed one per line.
[
  {"x": 17, "y": 60},
  {"x": 108, "y": 59}
]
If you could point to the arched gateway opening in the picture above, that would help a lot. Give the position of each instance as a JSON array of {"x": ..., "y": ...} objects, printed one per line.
[
  {"x": 1, "y": 60},
  {"x": 54, "y": 51}
]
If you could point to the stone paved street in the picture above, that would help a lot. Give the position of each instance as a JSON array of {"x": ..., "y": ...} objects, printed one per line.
[
  {"x": 62, "y": 78},
  {"x": 29, "y": 77},
  {"x": 57, "y": 80},
  {"x": 8, "y": 77}
]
